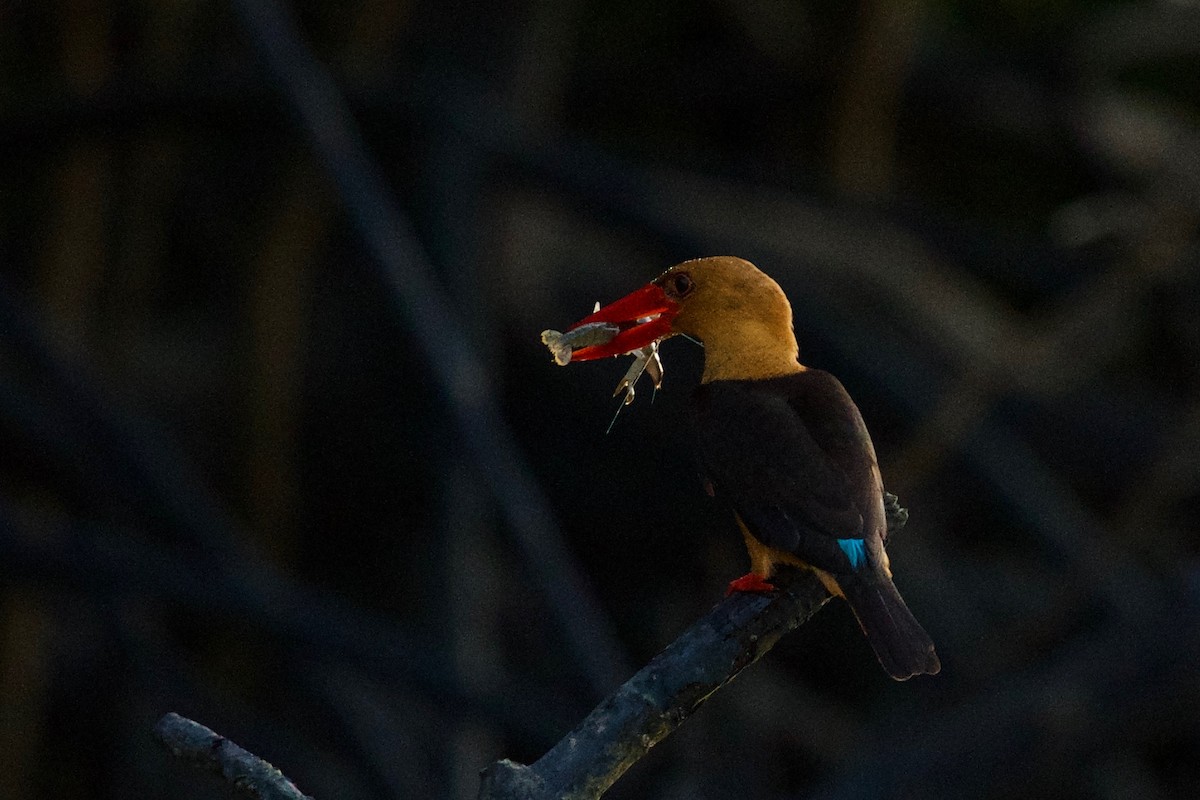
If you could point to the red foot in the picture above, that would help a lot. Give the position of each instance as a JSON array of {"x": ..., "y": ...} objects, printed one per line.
[{"x": 750, "y": 582}]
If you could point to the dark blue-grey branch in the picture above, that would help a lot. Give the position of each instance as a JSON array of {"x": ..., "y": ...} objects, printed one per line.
[
  {"x": 197, "y": 745},
  {"x": 656, "y": 701}
]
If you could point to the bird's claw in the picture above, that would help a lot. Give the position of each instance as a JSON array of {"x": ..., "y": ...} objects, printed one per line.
[{"x": 751, "y": 583}]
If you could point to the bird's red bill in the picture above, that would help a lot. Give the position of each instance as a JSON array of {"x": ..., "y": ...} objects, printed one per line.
[{"x": 643, "y": 316}]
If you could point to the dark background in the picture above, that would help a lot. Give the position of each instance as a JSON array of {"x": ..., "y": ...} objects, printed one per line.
[{"x": 280, "y": 449}]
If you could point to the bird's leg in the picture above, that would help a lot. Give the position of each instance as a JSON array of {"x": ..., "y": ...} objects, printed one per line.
[{"x": 761, "y": 566}]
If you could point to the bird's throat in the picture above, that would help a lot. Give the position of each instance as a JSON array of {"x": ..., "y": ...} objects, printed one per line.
[{"x": 754, "y": 355}]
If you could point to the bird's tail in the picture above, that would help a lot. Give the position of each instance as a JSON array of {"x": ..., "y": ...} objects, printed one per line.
[{"x": 900, "y": 643}]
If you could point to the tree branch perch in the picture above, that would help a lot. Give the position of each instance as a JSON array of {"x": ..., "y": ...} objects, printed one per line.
[
  {"x": 641, "y": 713},
  {"x": 655, "y": 701}
]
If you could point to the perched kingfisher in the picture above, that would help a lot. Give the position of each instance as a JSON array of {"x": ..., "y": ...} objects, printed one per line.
[{"x": 783, "y": 443}]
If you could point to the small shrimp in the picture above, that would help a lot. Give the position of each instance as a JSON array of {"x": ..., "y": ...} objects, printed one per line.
[{"x": 645, "y": 361}]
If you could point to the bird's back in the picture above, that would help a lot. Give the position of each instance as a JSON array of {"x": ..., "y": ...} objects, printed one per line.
[{"x": 793, "y": 456}]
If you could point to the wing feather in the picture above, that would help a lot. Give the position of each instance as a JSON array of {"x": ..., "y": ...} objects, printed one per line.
[{"x": 793, "y": 457}]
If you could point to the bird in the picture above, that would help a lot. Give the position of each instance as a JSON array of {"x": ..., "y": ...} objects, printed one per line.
[{"x": 780, "y": 442}]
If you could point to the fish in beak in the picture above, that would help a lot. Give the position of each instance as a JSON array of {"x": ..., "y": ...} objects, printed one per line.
[{"x": 642, "y": 318}]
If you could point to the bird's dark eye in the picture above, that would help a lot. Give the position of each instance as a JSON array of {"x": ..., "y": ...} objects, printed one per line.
[{"x": 681, "y": 284}]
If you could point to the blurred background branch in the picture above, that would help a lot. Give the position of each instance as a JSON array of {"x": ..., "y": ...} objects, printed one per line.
[{"x": 195, "y": 744}]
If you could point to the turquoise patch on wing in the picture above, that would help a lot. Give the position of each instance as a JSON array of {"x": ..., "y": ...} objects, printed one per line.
[{"x": 855, "y": 550}]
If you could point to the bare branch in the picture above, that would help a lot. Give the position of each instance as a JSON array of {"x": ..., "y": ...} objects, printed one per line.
[
  {"x": 655, "y": 701},
  {"x": 201, "y": 747}
]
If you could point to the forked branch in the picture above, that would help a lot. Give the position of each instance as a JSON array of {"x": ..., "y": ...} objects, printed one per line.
[{"x": 655, "y": 701}]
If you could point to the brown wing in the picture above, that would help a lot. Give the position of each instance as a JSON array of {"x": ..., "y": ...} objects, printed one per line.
[{"x": 793, "y": 457}]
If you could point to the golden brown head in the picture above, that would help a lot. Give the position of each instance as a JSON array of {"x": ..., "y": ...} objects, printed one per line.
[{"x": 737, "y": 311}]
